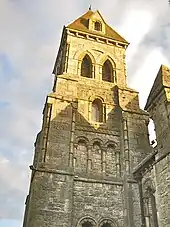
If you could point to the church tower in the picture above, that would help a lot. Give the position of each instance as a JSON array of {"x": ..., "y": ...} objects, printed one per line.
[{"x": 93, "y": 134}]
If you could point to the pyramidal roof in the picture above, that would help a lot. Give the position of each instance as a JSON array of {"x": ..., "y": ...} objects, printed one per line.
[
  {"x": 162, "y": 80},
  {"x": 81, "y": 24}
]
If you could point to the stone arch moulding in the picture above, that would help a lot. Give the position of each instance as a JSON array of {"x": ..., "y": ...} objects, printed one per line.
[
  {"x": 79, "y": 59},
  {"x": 109, "y": 221},
  {"x": 87, "y": 219},
  {"x": 112, "y": 143},
  {"x": 93, "y": 97},
  {"x": 81, "y": 54},
  {"x": 96, "y": 140},
  {"x": 103, "y": 58},
  {"x": 81, "y": 138}
]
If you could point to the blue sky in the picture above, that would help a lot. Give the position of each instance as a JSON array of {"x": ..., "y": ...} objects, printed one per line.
[{"x": 29, "y": 39}]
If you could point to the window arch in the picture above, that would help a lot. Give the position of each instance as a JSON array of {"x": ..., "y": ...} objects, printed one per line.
[
  {"x": 97, "y": 110},
  {"x": 98, "y": 26},
  {"x": 108, "y": 72},
  {"x": 107, "y": 223},
  {"x": 87, "y": 222},
  {"x": 86, "y": 67}
]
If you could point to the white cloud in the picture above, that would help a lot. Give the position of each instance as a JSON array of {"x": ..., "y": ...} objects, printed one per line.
[{"x": 144, "y": 78}]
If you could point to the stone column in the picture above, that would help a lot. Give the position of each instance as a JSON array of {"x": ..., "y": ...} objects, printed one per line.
[
  {"x": 126, "y": 146},
  {"x": 89, "y": 161},
  {"x": 103, "y": 159},
  {"x": 118, "y": 170},
  {"x": 71, "y": 156},
  {"x": 147, "y": 215}
]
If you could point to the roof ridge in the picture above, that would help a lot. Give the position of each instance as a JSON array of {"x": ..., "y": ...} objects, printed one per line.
[{"x": 81, "y": 24}]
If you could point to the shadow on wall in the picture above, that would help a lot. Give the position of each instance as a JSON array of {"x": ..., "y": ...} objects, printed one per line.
[{"x": 71, "y": 140}]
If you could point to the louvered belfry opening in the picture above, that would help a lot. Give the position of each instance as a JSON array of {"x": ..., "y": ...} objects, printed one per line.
[
  {"x": 86, "y": 67},
  {"x": 107, "y": 71}
]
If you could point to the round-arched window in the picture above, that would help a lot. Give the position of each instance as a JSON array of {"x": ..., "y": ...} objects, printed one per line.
[
  {"x": 97, "y": 110},
  {"x": 87, "y": 222}
]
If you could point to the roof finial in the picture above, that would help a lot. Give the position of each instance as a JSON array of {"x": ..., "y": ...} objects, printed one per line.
[{"x": 90, "y": 7}]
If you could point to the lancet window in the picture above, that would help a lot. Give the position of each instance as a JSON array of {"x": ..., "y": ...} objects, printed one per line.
[
  {"x": 97, "y": 110},
  {"x": 86, "y": 67},
  {"x": 108, "y": 72}
]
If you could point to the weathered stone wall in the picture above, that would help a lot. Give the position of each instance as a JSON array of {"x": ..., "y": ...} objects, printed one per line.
[
  {"x": 99, "y": 201},
  {"x": 139, "y": 146},
  {"x": 135, "y": 206},
  {"x": 157, "y": 180},
  {"x": 50, "y": 200},
  {"x": 162, "y": 181}
]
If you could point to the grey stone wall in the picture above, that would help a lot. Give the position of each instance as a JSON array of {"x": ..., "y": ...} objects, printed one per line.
[
  {"x": 50, "y": 200},
  {"x": 99, "y": 201},
  {"x": 162, "y": 181}
]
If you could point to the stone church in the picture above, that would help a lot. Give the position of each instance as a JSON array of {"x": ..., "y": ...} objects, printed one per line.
[{"x": 93, "y": 163}]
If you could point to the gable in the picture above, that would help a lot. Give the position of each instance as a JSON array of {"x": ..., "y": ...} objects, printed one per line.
[
  {"x": 85, "y": 23},
  {"x": 162, "y": 80}
]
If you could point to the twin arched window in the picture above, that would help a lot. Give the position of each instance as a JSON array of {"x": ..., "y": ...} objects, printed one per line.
[
  {"x": 88, "y": 222},
  {"x": 108, "y": 71}
]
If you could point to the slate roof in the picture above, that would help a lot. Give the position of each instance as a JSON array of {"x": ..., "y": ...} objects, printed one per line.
[{"x": 81, "y": 24}]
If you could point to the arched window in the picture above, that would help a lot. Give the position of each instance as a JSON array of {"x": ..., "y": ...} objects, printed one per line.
[
  {"x": 86, "y": 67},
  {"x": 97, "y": 26},
  {"x": 107, "y": 71},
  {"x": 107, "y": 223},
  {"x": 97, "y": 110},
  {"x": 87, "y": 224}
]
